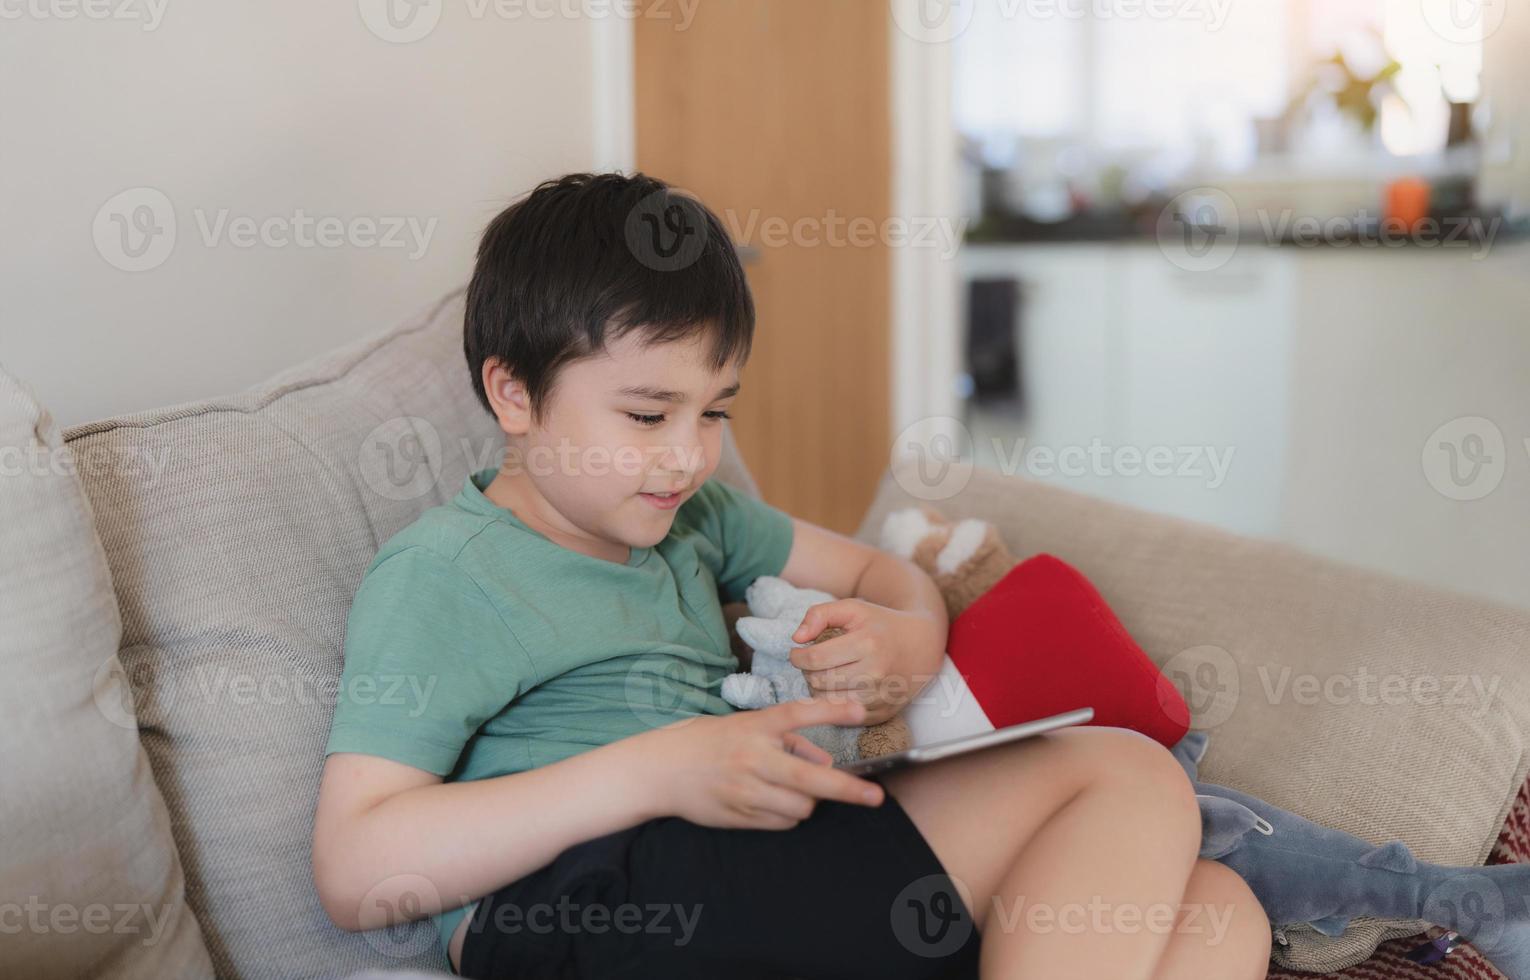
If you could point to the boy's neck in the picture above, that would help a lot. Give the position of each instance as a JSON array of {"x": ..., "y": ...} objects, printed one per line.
[{"x": 520, "y": 496}]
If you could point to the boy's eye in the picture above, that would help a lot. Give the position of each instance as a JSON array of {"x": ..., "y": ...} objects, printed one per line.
[{"x": 641, "y": 419}]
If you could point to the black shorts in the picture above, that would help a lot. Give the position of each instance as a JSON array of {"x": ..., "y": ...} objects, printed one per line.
[{"x": 852, "y": 891}]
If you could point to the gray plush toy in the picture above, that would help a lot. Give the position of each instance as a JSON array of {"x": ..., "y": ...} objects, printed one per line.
[
  {"x": 776, "y": 610},
  {"x": 1304, "y": 873}
]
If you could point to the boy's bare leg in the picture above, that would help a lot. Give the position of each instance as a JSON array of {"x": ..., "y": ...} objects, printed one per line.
[
  {"x": 1091, "y": 826},
  {"x": 1222, "y": 931}
]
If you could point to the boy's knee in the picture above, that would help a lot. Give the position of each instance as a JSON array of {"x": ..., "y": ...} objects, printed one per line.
[
  {"x": 1119, "y": 760},
  {"x": 1234, "y": 920}
]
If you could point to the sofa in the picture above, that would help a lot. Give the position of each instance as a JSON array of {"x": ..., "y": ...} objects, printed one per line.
[{"x": 174, "y": 596}]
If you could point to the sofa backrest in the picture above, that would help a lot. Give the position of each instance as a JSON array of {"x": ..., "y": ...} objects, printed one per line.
[
  {"x": 237, "y": 531},
  {"x": 90, "y": 880}
]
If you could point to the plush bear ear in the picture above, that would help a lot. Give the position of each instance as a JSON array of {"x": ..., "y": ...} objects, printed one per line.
[{"x": 965, "y": 559}]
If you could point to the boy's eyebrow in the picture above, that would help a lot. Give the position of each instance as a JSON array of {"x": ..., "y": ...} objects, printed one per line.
[{"x": 651, "y": 393}]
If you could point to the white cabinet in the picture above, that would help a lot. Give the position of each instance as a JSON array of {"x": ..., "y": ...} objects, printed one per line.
[
  {"x": 1324, "y": 372},
  {"x": 1173, "y": 384}
]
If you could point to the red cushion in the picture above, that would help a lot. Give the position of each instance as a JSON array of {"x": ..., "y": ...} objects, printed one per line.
[{"x": 1043, "y": 641}]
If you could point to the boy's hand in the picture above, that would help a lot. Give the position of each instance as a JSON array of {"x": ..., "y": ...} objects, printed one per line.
[
  {"x": 883, "y": 659},
  {"x": 750, "y": 769}
]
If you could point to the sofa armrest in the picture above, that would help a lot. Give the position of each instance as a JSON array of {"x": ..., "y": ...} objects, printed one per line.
[{"x": 1378, "y": 706}]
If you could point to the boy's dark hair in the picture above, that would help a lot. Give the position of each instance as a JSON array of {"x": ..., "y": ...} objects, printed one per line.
[{"x": 587, "y": 257}]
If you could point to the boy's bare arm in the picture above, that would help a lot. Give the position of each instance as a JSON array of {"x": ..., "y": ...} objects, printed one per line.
[
  {"x": 894, "y": 616},
  {"x": 392, "y": 842}
]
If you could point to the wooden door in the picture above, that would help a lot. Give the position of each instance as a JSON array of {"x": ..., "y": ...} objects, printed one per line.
[{"x": 776, "y": 114}]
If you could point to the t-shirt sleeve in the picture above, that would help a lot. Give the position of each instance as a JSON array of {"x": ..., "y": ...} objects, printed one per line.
[
  {"x": 428, "y": 659},
  {"x": 752, "y": 537}
]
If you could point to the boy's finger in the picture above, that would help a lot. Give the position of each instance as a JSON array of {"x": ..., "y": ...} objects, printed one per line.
[
  {"x": 801, "y": 713},
  {"x": 824, "y": 782},
  {"x": 855, "y": 685},
  {"x": 844, "y": 613},
  {"x": 842, "y": 651},
  {"x": 803, "y": 749}
]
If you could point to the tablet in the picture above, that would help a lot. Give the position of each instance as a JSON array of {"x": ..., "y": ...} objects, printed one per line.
[{"x": 920, "y": 754}]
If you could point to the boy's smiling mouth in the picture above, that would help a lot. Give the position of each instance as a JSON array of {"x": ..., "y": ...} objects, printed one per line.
[{"x": 664, "y": 501}]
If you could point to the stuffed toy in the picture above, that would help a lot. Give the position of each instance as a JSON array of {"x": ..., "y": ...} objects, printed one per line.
[
  {"x": 1300, "y": 872},
  {"x": 776, "y": 609},
  {"x": 1027, "y": 640},
  {"x": 1304, "y": 873}
]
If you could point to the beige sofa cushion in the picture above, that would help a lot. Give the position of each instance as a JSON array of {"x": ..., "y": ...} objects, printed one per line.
[
  {"x": 1380, "y": 707},
  {"x": 90, "y": 883},
  {"x": 237, "y": 531}
]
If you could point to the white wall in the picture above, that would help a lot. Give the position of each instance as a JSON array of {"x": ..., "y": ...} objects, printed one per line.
[{"x": 259, "y": 110}]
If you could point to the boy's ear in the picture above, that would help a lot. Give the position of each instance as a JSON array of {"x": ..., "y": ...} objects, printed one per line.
[{"x": 507, "y": 397}]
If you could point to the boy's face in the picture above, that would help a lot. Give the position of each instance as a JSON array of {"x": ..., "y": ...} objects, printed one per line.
[{"x": 620, "y": 429}]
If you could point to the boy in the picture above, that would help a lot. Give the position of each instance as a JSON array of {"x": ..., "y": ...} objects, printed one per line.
[{"x": 574, "y": 799}]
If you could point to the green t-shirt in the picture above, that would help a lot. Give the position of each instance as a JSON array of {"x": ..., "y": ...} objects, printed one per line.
[{"x": 478, "y": 647}]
